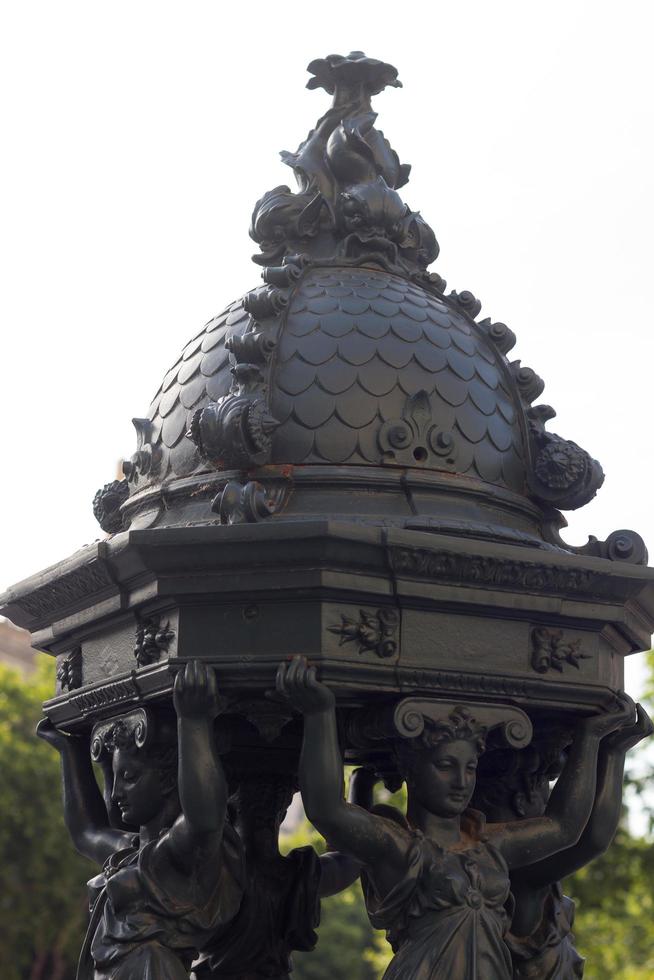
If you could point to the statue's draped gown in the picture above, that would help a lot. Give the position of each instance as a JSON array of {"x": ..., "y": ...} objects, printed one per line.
[
  {"x": 549, "y": 953},
  {"x": 276, "y": 917},
  {"x": 446, "y": 919},
  {"x": 149, "y": 919}
]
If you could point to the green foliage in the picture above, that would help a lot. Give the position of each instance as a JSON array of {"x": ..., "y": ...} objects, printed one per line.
[
  {"x": 649, "y": 686},
  {"x": 614, "y": 924},
  {"x": 346, "y": 942},
  {"x": 42, "y": 880}
]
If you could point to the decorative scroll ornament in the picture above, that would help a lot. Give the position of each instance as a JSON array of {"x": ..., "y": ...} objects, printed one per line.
[
  {"x": 624, "y": 546},
  {"x": 466, "y": 301},
  {"x": 107, "y": 503},
  {"x": 153, "y": 638},
  {"x": 376, "y": 632},
  {"x": 409, "y": 717},
  {"x": 137, "y": 726},
  {"x": 499, "y": 334},
  {"x": 236, "y": 430},
  {"x": 69, "y": 671},
  {"x": 411, "y": 714},
  {"x": 247, "y": 503},
  {"x": 550, "y": 651},
  {"x": 347, "y": 210}
]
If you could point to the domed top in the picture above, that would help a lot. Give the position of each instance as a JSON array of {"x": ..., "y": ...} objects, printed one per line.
[
  {"x": 350, "y": 368},
  {"x": 368, "y": 369}
]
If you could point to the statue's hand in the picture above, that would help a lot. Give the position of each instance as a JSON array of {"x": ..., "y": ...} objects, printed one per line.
[
  {"x": 621, "y": 715},
  {"x": 195, "y": 693},
  {"x": 362, "y": 785},
  {"x": 47, "y": 731},
  {"x": 297, "y": 682},
  {"x": 631, "y": 734}
]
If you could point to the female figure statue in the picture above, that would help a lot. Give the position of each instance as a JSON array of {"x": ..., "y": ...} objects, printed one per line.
[
  {"x": 516, "y": 786},
  {"x": 439, "y": 882},
  {"x": 280, "y": 910},
  {"x": 164, "y": 890}
]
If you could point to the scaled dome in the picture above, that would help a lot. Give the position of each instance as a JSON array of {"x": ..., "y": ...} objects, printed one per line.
[
  {"x": 361, "y": 357},
  {"x": 350, "y": 384}
]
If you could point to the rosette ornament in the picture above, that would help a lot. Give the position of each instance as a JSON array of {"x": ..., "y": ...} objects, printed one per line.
[
  {"x": 563, "y": 474},
  {"x": 235, "y": 431}
]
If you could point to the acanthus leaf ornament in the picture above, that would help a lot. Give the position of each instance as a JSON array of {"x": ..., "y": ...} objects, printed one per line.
[
  {"x": 415, "y": 437},
  {"x": 145, "y": 460},
  {"x": 69, "y": 671},
  {"x": 107, "y": 503},
  {"x": 372, "y": 631},
  {"x": 551, "y": 651},
  {"x": 153, "y": 637}
]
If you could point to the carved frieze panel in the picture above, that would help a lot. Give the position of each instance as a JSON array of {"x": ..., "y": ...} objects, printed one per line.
[
  {"x": 68, "y": 589},
  {"x": 488, "y": 571}
]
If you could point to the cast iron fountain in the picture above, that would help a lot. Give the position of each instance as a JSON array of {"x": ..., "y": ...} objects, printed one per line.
[{"x": 346, "y": 474}]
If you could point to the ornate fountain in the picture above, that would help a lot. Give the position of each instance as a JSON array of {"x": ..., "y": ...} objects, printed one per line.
[{"x": 347, "y": 465}]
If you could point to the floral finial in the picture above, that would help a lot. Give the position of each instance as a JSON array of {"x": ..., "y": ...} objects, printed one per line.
[{"x": 350, "y": 70}]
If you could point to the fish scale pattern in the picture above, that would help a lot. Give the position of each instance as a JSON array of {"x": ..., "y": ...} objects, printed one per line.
[
  {"x": 202, "y": 374},
  {"x": 356, "y": 345}
]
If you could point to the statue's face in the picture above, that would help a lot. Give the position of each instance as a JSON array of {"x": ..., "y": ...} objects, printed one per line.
[
  {"x": 137, "y": 789},
  {"x": 443, "y": 778}
]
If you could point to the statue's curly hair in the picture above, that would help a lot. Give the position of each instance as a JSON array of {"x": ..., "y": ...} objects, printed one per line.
[
  {"x": 505, "y": 772},
  {"x": 263, "y": 798},
  {"x": 460, "y": 725},
  {"x": 161, "y": 753}
]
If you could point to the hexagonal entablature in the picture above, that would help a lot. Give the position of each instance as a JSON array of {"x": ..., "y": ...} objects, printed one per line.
[{"x": 383, "y": 612}]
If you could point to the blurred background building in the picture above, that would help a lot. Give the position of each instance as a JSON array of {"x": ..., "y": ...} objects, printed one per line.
[{"x": 15, "y": 649}]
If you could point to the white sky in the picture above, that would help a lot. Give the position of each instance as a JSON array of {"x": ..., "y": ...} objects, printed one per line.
[{"x": 137, "y": 136}]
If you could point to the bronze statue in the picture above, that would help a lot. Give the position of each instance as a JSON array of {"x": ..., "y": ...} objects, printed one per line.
[
  {"x": 516, "y": 786},
  {"x": 343, "y": 463},
  {"x": 438, "y": 882},
  {"x": 164, "y": 890},
  {"x": 281, "y": 903}
]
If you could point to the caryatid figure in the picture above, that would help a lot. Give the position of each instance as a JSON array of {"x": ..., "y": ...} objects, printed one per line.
[
  {"x": 163, "y": 890},
  {"x": 439, "y": 881}
]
